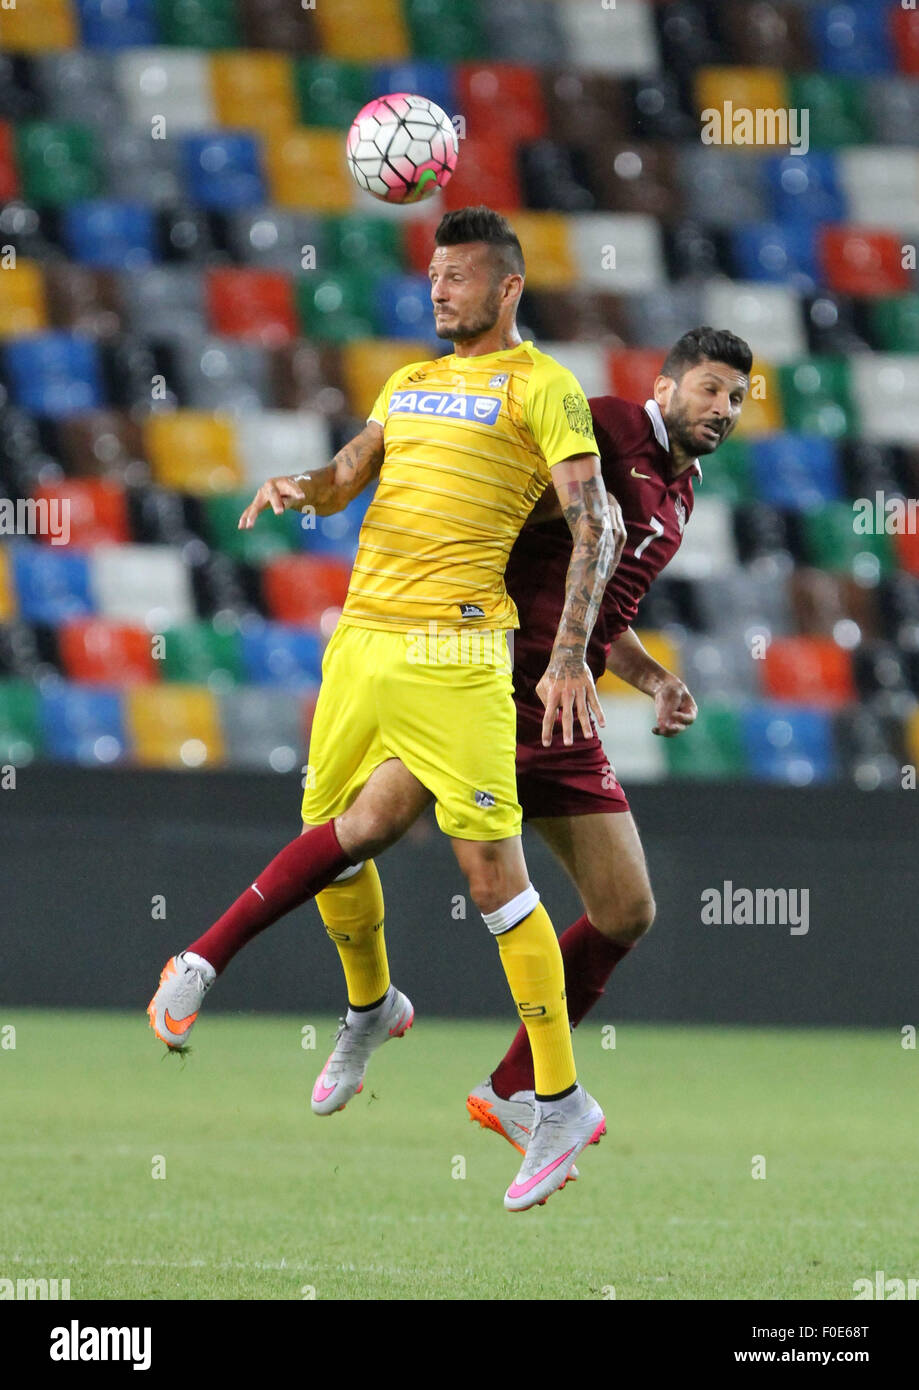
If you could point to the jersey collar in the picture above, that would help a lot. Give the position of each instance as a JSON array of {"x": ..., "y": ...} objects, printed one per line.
[{"x": 653, "y": 411}]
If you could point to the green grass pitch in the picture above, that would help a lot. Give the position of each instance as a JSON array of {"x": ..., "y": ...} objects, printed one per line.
[{"x": 400, "y": 1197}]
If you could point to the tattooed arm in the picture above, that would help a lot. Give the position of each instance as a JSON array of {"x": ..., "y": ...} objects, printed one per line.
[
  {"x": 598, "y": 532},
  {"x": 328, "y": 489}
]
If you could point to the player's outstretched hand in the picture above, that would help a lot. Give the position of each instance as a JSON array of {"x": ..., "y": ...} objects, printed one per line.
[
  {"x": 569, "y": 690},
  {"x": 674, "y": 708},
  {"x": 280, "y": 494}
]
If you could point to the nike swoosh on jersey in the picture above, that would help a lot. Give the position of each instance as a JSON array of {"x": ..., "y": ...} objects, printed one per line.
[{"x": 636, "y": 474}]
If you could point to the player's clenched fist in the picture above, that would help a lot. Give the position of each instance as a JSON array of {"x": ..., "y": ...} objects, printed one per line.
[
  {"x": 674, "y": 708},
  {"x": 280, "y": 494}
]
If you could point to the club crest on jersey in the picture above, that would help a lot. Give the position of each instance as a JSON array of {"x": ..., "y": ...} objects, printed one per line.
[
  {"x": 578, "y": 412},
  {"x": 680, "y": 510},
  {"x": 446, "y": 404},
  {"x": 498, "y": 380},
  {"x": 471, "y": 610},
  {"x": 484, "y": 799}
]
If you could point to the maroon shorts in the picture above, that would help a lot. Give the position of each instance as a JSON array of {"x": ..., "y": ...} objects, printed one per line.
[{"x": 573, "y": 781}]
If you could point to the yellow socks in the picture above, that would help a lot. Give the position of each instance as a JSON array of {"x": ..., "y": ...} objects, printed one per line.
[
  {"x": 352, "y": 911},
  {"x": 533, "y": 965}
]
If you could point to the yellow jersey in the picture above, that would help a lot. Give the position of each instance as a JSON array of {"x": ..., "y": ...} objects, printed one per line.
[{"x": 469, "y": 443}]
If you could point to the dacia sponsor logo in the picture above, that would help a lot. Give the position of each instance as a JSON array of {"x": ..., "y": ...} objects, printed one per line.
[{"x": 446, "y": 404}]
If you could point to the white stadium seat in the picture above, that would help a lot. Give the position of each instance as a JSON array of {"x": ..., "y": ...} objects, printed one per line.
[
  {"x": 586, "y": 361},
  {"x": 634, "y": 752},
  {"x": 145, "y": 584},
  {"x": 885, "y": 387},
  {"x": 708, "y": 547},
  {"x": 881, "y": 185},
  {"x": 767, "y": 316},
  {"x": 621, "y": 253},
  {"x": 282, "y": 441},
  {"x": 168, "y": 82},
  {"x": 619, "y": 38}
]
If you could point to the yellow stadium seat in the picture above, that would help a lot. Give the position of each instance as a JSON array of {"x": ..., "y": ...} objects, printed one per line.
[
  {"x": 194, "y": 452},
  {"x": 307, "y": 169},
  {"x": 8, "y": 603},
  {"x": 22, "y": 304},
  {"x": 254, "y": 91},
  {"x": 174, "y": 726},
  {"x": 753, "y": 90},
  {"x": 658, "y": 647},
  {"x": 37, "y": 26},
  {"x": 762, "y": 408},
  {"x": 363, "y": 31},
  {"x": 369, "y": 362},
  {"x": 912, "y": 738},
  {"x": 546, "y": 249}
]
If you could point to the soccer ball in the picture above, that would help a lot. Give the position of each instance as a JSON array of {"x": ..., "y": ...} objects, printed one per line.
[{"x": 401, "y": 148}]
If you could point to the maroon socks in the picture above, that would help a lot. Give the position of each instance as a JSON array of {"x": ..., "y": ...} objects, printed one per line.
[
  {"x": 589, "y": 959},
  {"x": 302, "y": 869}
]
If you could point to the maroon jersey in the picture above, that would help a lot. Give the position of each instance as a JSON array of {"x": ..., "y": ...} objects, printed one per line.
[{"x": 636, "y": 465}]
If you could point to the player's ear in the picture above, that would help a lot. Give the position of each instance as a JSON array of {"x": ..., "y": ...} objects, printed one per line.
[{"x": 663, "y": 389}]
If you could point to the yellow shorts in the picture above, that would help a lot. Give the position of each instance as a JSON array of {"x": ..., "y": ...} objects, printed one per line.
[{"x": 441, "y": 703}]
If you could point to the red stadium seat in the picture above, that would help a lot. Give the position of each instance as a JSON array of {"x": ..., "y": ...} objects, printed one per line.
[
  {"x": 101, "y": 653},
  {"x": 809, "y": 671},
  {"x": 97, "y": 510},
  {"x": 907, "y": 549},
  {"x": 419, "y": 242},
  {"x": 862, "y": 260},
  {"x": 254, "y": 304},
  {"x": 905, "y": 27},
  {"x": 9, "y": 174},
  {"x": 501, "y": 102},
  {"x": 485, "y": 173},
  {"x": 632, "y": 372},
  {"x": 302, "y": 588}
]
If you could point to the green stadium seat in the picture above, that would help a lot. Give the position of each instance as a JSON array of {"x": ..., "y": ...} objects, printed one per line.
[
  {"x": 203, "y": 654},
  {"x": 837, "y": 107},
  {"x": 330, "y": 92},
  {"x": 356, "y": 242},
  {"x": 274, "y": 535},
  {"x": 816, "y": 396},
  {"x": 727, "y": 473},
  {"x": 447, "y": 29},
  {"x": 58, "y": 162},
  {"x": 832, "y": 543},
  {"x": 20, "y": 730},
  {"x": 712, "y": 749},
  {"x": 198, "y": 23},
  {"x": 336, "y": 307},
  {"x": 895, "y": 323}
]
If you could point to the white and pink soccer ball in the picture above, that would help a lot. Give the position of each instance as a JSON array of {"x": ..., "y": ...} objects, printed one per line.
[{"x": 402, "y": 148}]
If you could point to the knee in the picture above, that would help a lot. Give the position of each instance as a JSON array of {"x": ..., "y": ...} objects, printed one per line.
[
  {"x": 364, "y": 832},
  {"x": 627, "y": 922}
]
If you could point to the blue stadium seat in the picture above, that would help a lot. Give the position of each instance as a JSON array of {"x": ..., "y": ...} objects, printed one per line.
[
  {"x": 853, "y": 38},
  {"x": 52, "y": 584},
  {"x": 781, "y": 254},
  {"x": 429, "y": 79},
  {"x": 83, "y": 724},
  {"x": 110, "y": 235},
  {"x": 788, "y": 743},
  {"x": 337, "y": 534},
  {"x": 279, "y": 654},
  {"x": 796, "y": 471},
  {"x": 223, "y": 170},
  {"x": 804, "y": 186},
  {"x": 54, "y": 374},
  {"x": 403, "y": 307},
  {"x": 118, "y": 23}
]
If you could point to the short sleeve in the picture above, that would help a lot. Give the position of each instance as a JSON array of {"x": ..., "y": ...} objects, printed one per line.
[
  {"x": 557, "y": 413},
  {"x": 380, "y": 407}
]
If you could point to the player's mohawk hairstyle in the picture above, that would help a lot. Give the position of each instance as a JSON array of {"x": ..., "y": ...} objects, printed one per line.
[
  {"x": 707, "y": 345},
  {"x": 483, "y": 224}
]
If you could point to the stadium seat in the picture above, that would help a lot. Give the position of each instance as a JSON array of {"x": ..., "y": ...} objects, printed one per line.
[
  {"x": 895, "y": 323},
  {"x": 502, "y": 102},
  {"x": 775, "y": 253},
  {"x": 817, "y": 396},
  {"x": 163, "y": 84},
  {"x": 306, "y": 589},
  {"x": 79, "y": 86},
  {"x": 695, "y": 251},
  {"x": 661, "y": 315},
  {"x": 173, "y": 726},
  {"x": 254, "y": 91},
  {"x": 307, "y": 376},
  {"x": 553, "y": 175},
  {"x": 220, "y": 375},
  {"x": 58, "y": 161},
  {"x": 402, "y": 307},
  {"x": 659, "y": 647},
  {"x": 618, "y": 252},
  {"x": 165, "y": 301},
  {"x": 714, "y": 751},
  {"x": 620, "y": 40},
  {"x": 708, "y": 546},
  {"x": 54, "y": 374},
  {"x": 9, "y": 174},
  {"x": 356, "y": 242},
  {"x": 52, "y": 583},
  {"x": 306, "y": 170},
  {"x": 336, "y": 536},
  {"x": 658, "y": 108},
  {"x": 110, "y": 235},
  {"x": 524, "y": 31},
  {"x": 772, "y": 32},
  {"x": 137, "y": 169},
  {"x": 330, "y": 92},
  {"x": 881, "y": 668},
  {"x": 862, "y": 261},
  {"x": 634, "y": 176},
  {"x": 450, "y": 30},
  {"x": 96, "y": 510},
  {"x": 277, "y": 654},
  {"x": 253, "y": 304},
  {"x": 271, "y": 442},
  {"x": 723, "y": 187},
  {"x": 222, "y": 170},
  {"x": 40, "y": 26},
  {"x": 160, "y": 516},
  {"x": 433, "y": 80},
  {"x": 878, "y": 184},
  {"x": 193, "y": 452},
  {"x": 753, "y": 88},
  {"x": 96, "y": 652},
  {"x": 718, "y": 667},
  {"x": 202, "y": 653},
  {"x": 808, "y": 671},
  {"x": 272, "y": 239},
  {"x": 20, "y": 728},
  {"x": 276, "y": 24},
  {"x": 635, "y": 754},
  {"x": 584, "y": 107},
  {"x": 838, "y": 113},
  {"x": 223, "y": 588},
  {"x": 789, "y": 744},
  {"x": 870, "y": 468},
  {"x": 336, "y": 307},
  {"x": 836, "y": 326},
  {"x": 746, "y": 602},
  {"x": 104, "y": 444},
  {"x": 264, "y": 728},
  {"x": 81, "y": 724},
  {"x": 190, "y": 236},
  {"x": 906, "y": 547},
  {"x": 130, "y": 24},
  {"x": 803, "y": 186},
  {"x": 369, "y": 363},
  {"x": 272, "y": 536},
  {"x": 19, "y": 99},
  {"x": 885, "y": 388},
  {"x": 631, "y": 372},
  {"x": 24, "y": 458},
  {"x": 586, "y": 360},
  {"x": 209, "y": 24},
  {"x": 147, "y": 584},
  {"x": 487, "y": 173},
  {"x": 870, "y": 749},
  {"x": 8, "y": 605},
  {"x": 892, "y": 105},
  {"x": 767, "y": 315},
  {"x": 581, "y": 314},
  {"x": 827, "y": 604},
  {"x": 796, "y": 471},
  {"x": 852, "y": 38},
  {"x": 727, "y": 472},
  {"x": 23, "y": 306},
  {"x": 905, "y": 37},
  {"x": 133, "y": 372},
  {"x": 27, "y": 652},
  {"x": 362, "y": 32},
  {"x": 84, "y": 300},
  {"x": 832, "y": 543}
]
